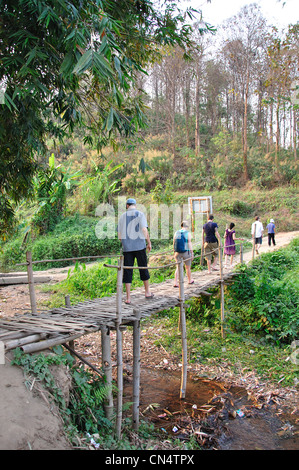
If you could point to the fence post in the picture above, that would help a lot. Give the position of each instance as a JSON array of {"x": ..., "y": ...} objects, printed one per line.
[
  {"x": 136, "y": 370},
  {"x": 68, "y": 304},
  {"x": 253, "y": 242},
  {"x": 183, "y": 331},
  {"x": 31, "y": 282},
  {"x": 221, "y": 291},
  {"x": 241, "y": 253},
  {"x": 119, "y": 349},
  {"x": 107, "y": 369}
]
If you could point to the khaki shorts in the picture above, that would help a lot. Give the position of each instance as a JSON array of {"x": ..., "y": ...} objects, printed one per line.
[
  {"x": 184, "y": 256},
  {"x": 210, "y": 249}
]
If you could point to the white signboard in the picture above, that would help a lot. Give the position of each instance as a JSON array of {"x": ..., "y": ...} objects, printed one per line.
[{"x": 200, "y": 205}]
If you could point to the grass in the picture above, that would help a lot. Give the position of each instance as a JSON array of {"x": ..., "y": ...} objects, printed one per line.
[{"x": 237, "y": 353}]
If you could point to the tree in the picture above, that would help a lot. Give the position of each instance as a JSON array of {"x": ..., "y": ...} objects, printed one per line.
[
  {"x": 282, "y": 73},
  {"x": 243, "y": 50},
  {"x": 68, "y": 63}
]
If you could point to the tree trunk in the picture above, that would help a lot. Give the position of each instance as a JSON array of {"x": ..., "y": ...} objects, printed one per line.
[
  {"x": 295, "y": 134},
  {"x": 197, "y": 130},
  {"x": 245, "y": 164},
  {"x": 277, "y": 134}
]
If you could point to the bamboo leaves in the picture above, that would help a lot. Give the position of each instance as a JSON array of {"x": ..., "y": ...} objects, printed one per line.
[{"x": 93, "y": 60}]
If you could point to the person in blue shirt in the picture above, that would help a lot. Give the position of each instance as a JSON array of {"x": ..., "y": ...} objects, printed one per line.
[
  {"x": 271, "y": 232},
  {"x": 182, "y": 247}
]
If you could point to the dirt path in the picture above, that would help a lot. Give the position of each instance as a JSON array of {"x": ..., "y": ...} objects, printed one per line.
[{"x": 26, "y": 419}]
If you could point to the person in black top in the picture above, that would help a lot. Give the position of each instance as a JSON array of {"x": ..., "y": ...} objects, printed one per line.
[{"x": 210, "y": 244}]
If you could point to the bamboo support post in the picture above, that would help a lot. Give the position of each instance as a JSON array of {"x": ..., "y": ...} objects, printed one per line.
[
  {"x": 107, "y": 369},
  {"x": 253, "y": 242},
  {"x": 136, "y": 370},
  {"x": 241, "y": 253},
  {"x": 31, "y": 282},
  {"x": 68, "y": 304},
  {"x": 221, "y": 292},
  {"x": 119, "y": 348},
  {"x": 183, "y": 330}
]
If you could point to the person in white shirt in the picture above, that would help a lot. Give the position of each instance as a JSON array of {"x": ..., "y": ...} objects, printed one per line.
[{"x": 257, "y": 230}]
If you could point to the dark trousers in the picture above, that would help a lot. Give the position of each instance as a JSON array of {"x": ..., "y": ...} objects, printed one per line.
[
  {"x": 271, "y": 237},
  {"x": 129, "y": 258}
]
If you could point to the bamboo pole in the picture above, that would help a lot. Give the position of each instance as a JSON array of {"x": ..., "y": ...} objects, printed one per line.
[
  {"x": 68, "y": 304},
  {"x": 253, "y": 242},
  {"x": 119, "y": 349},
  {"x": 183, "y": 331},
  {"x": 136, "y": 370},
  {"x": 107, "y": 369},
  {"x": 221, "y": 291},
  {"x": 82, "y": 359},
  {"x": 54, "y": 341},
  {"x": 15, "y": 343},
  {"x": 31, "y": 282},
  {"x": 241, "y": 253}
]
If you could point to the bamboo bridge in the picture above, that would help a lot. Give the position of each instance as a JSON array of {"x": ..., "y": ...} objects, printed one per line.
[{"x": 37, "y": 331}]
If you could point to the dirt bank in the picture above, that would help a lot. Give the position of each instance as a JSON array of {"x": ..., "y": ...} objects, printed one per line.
[{"x": 28, "y": 420}]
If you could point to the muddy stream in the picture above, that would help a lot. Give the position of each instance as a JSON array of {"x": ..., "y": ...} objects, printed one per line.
[{"x": 216, "y": 416}]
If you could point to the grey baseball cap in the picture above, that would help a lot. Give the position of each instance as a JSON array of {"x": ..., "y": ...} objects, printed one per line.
[{"x": 131, "y": 201}]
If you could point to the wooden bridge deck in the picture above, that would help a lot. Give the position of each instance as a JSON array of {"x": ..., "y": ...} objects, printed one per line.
[{"x": 36, "y": 332}]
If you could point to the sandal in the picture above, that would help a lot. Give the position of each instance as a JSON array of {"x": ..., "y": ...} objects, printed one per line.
[
  {"x": 149, "y": 296},
  {"x": 128, "y": 302},
  {"x": 192, "y": 282},
  {"x": 175, "y": 285}
]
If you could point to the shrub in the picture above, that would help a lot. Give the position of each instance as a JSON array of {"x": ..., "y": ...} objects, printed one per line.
[{"x": 264, "y": 299}]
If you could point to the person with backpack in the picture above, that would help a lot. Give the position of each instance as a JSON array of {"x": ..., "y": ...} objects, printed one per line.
[
  {"x": 182, "y": 247},
  {"x": 210, "y": 244}
]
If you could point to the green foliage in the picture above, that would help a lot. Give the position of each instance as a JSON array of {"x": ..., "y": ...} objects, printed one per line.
[
  {"x": 98, "y": 188},
  {"x": 205, "y": 309},
  {"x": 237, "y": 207},
  {"x": 40, "y": 367},
  {"x": 162, "y": 194},
  {"x": 262, "y": 299},
  {"x": 51, "y": 186},
  {"x": 86, "y": 402},
  {"x": 71, "y": 238}
]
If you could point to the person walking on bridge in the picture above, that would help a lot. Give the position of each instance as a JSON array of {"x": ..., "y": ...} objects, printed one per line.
[
  {"x": 211, "y": 243},
  {"x": 182, "y": 247},
  {"x": 135, "y": 239}
]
